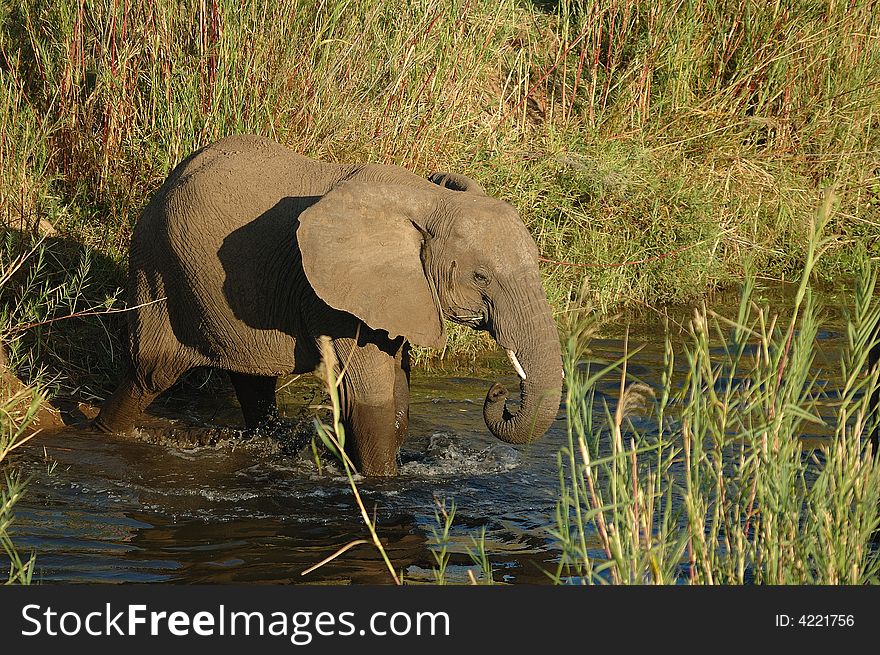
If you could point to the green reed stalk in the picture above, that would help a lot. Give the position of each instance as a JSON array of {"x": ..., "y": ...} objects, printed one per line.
[
  {"x": 333, "y": 437},
  {"x": 732, "y": 494}
]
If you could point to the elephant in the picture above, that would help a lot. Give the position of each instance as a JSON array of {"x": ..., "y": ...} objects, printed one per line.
[{"x": 249, "y": 254}]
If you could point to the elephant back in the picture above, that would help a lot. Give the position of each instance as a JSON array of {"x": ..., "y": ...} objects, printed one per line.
[{"x": 218, "y": 243}]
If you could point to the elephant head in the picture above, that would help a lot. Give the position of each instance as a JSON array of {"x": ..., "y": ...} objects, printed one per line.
[{"x": 403, "y": 257}]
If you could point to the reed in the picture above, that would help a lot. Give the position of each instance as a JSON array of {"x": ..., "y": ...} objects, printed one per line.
[
  {"x": 332, "y": 435},
  {"x": 654, "y": 149},
  {"x": 17, "y": 411},
  {"x": 722, "y": 489}
]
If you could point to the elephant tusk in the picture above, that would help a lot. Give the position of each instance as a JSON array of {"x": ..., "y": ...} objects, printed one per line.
[{"x": 516, "y": 365}]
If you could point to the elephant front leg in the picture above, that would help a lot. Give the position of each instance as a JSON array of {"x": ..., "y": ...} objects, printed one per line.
[
  {"x": 401, "y": 395},
  {"x": 369, "y": 411},
  {"x": 372, "y": 438}
]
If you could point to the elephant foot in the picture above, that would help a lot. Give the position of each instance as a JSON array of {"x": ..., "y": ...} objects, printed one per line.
[{"x": 379, "y": 469}]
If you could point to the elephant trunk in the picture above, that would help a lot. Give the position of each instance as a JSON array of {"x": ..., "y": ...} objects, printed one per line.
[{"x": 540, "y": 367}]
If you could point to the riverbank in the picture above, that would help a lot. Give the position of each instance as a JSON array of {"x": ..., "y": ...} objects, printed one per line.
[{"x": 655, "y": 151}]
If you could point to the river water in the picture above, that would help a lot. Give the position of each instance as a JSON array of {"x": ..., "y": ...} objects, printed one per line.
[{"x": 111, "y": 509}]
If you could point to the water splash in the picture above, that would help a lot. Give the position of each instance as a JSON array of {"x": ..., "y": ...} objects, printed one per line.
[{"x": 450, "y": 455}]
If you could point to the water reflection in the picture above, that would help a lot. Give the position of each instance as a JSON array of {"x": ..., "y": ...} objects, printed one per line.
[{"x": 104, "y": 509}]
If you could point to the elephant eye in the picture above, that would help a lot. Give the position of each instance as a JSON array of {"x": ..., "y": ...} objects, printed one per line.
[{"x": 481, "y": 277}]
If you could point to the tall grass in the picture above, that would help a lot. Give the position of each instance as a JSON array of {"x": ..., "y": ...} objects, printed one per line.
[
  {"x": 19, "y": 407},
  {"x": 54, "y": 324},
  {"x": 39, "y": 288},
  {"x": 622, "y": 130},
  {"x": 17, "y": 410},
  {"x": 722, "y": 490}
]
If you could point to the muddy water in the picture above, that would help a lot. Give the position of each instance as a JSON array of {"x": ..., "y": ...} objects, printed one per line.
[{"x": 102, "y": 509}]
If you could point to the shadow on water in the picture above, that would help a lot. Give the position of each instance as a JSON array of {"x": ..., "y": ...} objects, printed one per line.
[{"x": 108, "y": 509}]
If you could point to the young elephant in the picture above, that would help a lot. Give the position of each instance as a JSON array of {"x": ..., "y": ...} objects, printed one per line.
[{"x": 249, "y": 253}]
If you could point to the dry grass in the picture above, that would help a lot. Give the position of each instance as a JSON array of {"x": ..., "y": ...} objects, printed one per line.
[{"x": 622, "y": 131}]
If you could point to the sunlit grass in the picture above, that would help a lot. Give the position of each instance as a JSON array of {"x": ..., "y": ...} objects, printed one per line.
[{"x": 622, "y": 131}]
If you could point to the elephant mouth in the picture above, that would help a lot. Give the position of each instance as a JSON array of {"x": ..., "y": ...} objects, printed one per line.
[{"x": 476, "y": 321}]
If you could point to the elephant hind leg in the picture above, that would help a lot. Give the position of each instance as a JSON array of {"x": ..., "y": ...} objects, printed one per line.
[
  {"x": 140, "y": 384},
  {"x": 119, "y": 411},
  {"x": 256, "y": 396}
]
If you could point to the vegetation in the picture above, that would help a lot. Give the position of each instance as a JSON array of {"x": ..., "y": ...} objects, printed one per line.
[
  {"x": 38, "y": 287},
  {"x": 19, "y": 406},
  {"x": 722, "y": 490},
  {"x": 693, "y": 137},
  {"x": 16, "y": 412}
]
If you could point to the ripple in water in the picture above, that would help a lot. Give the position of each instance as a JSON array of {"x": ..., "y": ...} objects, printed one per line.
[{"x": 448, "y": 455}]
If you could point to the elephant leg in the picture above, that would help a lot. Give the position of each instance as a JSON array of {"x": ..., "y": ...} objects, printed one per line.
[
  {"x": 368, "y": 406},
  {"x": 256, "y": 396},
  {"x": 119, "y": 411},
  {"x": 873, "y": 358},
  {"x": 401, "y": 395}
]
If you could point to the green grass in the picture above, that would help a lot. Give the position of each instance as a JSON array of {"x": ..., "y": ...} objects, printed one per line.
[
  {"x": 19, "y": 406},
  {"x": 17, "y": 410},
  {"x": 622, "y": 131},
  {"x": 42, "y": 284},
  {"x": 716, "y": 486},
  {"x": 53, "y": 324}
]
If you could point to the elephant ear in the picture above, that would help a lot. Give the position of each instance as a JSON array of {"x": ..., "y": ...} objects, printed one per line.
[
  {"x": 361, "y": 250},
  {"x": 456, "y": 182}
]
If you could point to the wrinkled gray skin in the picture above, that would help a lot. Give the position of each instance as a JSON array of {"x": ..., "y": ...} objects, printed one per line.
[{"x": 249, "y": 252}]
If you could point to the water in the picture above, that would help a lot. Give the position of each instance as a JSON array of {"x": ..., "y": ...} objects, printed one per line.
[{"x": 107, "y": 509}]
